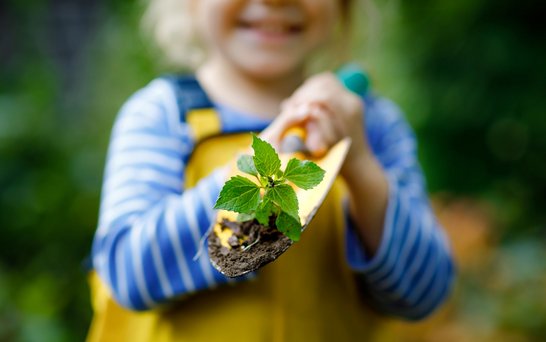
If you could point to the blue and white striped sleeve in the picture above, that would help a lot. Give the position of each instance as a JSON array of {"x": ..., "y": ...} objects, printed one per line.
[
  {"x": 412, "y": 271},
  {"x": 149, "y": 226}
]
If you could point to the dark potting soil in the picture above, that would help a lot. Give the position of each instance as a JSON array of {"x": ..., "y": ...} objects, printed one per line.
[{"x": 264, "y": 245}]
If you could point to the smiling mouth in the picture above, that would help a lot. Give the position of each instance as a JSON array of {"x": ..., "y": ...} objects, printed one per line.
[{"x": 271, "y": 27}]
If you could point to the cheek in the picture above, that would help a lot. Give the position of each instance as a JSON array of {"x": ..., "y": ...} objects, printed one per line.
[
  {"x": 225, "y": 15},
  {"x": 215, "y": 18}
]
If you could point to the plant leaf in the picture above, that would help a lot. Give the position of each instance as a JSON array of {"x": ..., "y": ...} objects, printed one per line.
[
  {"x": 304, "y": 173},
  {"x": 245, "y": 163},
  {"x": 285, "y": 197},
  {"x": 264, "y": 211},
  {"x": 245, "y": 217},
  {"x": 266, "y": 160},
  {"x": 287, "y": 225},
  {"x": 239, "y": 194}
]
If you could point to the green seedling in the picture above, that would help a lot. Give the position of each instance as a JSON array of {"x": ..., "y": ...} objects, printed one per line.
[{"x": 269, "y": 194}]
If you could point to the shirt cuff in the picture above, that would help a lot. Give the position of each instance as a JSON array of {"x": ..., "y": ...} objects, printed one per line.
[{"x": 357, "y": 258}]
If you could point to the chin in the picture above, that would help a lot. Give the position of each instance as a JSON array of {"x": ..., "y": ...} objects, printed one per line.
[{"x": 270, "y": 69}]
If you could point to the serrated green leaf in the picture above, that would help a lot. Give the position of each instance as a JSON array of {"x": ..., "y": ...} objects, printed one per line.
[
  {"x": 263, "y": 181},
  {"x": 264, "y": 211},
  {"x": 287, "y": 225},
  {"x": 285, "y": 197},
  {"x": 304, "y": 173},
  {"x": 245, "y": 163},
  {"x": 239, "y": 194},
  {"x": 265, "y": 158}
]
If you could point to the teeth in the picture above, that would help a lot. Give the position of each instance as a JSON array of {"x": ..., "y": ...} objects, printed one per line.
[{"x": 273, "y": 28}]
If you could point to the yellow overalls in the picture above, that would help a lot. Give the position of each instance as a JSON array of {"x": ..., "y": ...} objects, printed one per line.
[{"x": 308, "y": 294}]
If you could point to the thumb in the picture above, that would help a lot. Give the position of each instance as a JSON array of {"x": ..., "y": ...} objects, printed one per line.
[{"x": 289, "y": 117}]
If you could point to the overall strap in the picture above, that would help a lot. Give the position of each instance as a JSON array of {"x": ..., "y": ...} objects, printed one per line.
[{"x": 195, "y": 107}]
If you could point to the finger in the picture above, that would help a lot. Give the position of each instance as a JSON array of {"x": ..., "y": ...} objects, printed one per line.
[
  {"x": 316, "y": 88},
  {"x": 286, "y": 103},
  {"x": 315, "y": 142},
  {"x": 335, "y": 122},
  {"x": 291, "y": 116},
  {"x": 326, "y": 124},
  {"x": 312, "y": 93}
]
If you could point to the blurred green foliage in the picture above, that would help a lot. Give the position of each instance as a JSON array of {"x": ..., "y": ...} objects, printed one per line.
[
  {"x": 54, "y": 128},
  {"x": 469, "y": 74}
]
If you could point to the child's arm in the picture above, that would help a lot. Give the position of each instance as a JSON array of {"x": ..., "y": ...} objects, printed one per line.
[
  {"x": 150, "y": 227},
  {"x": 411, "y": 272},
  {"x": 405, "y": 263}
]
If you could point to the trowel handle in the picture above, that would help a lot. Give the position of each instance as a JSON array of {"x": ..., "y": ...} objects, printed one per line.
[
  {"x": 294, "y": 140},
  {"x": 354, "y": 78}
]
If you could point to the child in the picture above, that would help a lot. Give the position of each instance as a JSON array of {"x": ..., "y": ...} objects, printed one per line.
[{"x": 374, "y": 238}]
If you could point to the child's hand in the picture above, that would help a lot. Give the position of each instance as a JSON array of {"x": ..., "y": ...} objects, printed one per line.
[{"x": 328, "y": 112}]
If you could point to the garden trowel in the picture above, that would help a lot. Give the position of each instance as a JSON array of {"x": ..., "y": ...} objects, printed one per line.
[{"x": 236, "y": 261}]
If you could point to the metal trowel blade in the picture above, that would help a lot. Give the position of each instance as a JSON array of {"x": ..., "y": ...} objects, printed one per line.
[{"x": 309, "y": 202}]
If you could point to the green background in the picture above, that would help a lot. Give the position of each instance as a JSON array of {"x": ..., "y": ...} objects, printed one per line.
[{"x": 469, "y": 74}]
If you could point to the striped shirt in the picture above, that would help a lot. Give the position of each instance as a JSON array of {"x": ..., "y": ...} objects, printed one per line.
[{"x": 150, "y": 227}]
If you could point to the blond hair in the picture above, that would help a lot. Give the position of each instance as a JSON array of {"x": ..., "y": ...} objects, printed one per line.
[{"x": 171, "y": 27}]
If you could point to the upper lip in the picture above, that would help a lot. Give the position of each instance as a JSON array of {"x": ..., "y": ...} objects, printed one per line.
[
  {"x": 281, "y": 19},
  {"x": 271, "y": 24}
]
